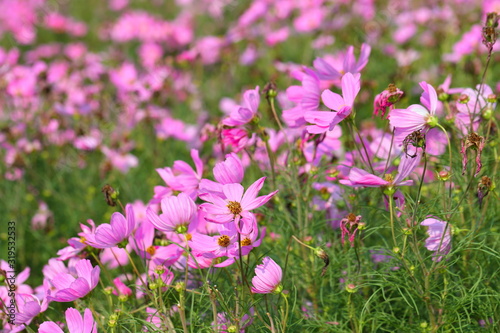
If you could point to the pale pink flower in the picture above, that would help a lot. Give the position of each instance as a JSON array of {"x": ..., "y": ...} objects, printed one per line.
[
  {"x": 267, "y": 278},
  {"x": 117, "y": 231},
  {"x": 68, "y": 288},
  {"x": 438, "y": 241},
  {"x": 178, "y": 212},
  {"x": 342, "y": 105},
  {"x": 327, "y": 72},
  {"x": 242, "y": 114},
  {"x": 416, "y": 117},
  {"x": 361, "y": 178},
  {"x": 237, "y": 203}
]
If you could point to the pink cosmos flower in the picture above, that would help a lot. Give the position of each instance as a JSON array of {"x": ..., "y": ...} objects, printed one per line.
[
  {"x": 361, "y": 178},
  {"x": 415, "y": 117},
  {"x": 119, "y": 229},
  {"x": 237, "y": 203},
  {"x": 268, "y": 278},
  {"x": 438, "y": 241},
  {"x": 306, "y": 97},
  {"x": 178, "y": 212},
  {"x": 181, "y": 177},
  {"x": 327, "y": 72},
  {"x": 68, "y": 288},
  {"x": 227, "y": 172},
  {"x": 242, "y": 114},
  {"x": 76, "y": 323},
  {"x": 342, "y": 105},
  {"x": 29, "y": 306}
]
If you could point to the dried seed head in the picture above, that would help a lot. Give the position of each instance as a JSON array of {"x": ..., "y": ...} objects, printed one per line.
[
  {"x": 417, "y": 140},
  {"x": 110, "y": 194},
  {"x": 475, "y": 142}
]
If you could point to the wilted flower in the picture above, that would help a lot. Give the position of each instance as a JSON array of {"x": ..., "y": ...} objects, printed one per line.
[
  {"x": 386, "y": 99},
  {"x": 475, "y": 142},
  {"x": 350, "y": 226},
  {"x": 483, "y": 188}
]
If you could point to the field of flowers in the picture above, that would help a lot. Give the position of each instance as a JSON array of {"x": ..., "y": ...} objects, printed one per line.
[{"x": 249, "y": 166}]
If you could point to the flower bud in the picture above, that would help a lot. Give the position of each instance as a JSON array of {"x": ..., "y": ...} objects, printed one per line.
[
  {"x": 463, "y": 99},
  {"x": 351, "y": 288}
]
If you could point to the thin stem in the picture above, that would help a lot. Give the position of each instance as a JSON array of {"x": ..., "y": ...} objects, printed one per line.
[
  {"x": 285, "y": 318},
  {"x": 449, "y": 152},
  {"x": 391, "y": 212}
]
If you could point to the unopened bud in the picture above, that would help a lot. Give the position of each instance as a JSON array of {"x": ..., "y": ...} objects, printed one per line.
[
  {"x": 270, "y": 90},
  {"x": 112, "y": 321},
  {"x": 487, "y": 114},
  {"x": 108, "y": 290},
  {"x": 444, "y": 175},
  {"x": 463, "y": 99},
  {"x": 180, "y": 286},
  {"x": 351, "y": 288}
]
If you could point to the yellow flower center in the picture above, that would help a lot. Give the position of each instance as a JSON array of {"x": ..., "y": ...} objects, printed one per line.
[
  {"x": 223, "y": 241},
  {"x": 246, "y": 242},
  {"x": 234, "y": 207},
  {"x": 151, "y": 250}
]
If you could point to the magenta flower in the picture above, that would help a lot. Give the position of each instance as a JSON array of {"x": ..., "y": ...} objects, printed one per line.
[
  {"x": 76, "y": 323},
  {"x": 177, "y": 214},
  {"x": 416, "y": 117},
  {"x": 68, "y": 288},
  {"x": 268, "y": 278},
  {"x": 119, "y": 229},
  {"x": 237, "y": 204},
  {"x": 438, "y": 241},
  {"x": 342, "y": 105}
]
